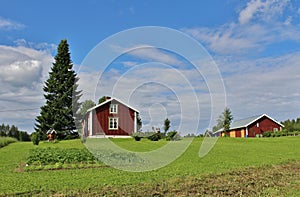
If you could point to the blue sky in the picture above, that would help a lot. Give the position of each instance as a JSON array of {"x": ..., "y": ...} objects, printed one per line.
[{"x": 254, "y": 43}]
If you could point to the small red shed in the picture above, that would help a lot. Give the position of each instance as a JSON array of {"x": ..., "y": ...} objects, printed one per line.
[
  {"x": 112, "y": 118},
  {"x": 253, "y": 126}
]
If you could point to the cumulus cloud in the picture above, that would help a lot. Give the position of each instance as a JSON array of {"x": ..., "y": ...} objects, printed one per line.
[
  {"x": 264, "y": 84},
  {"x": 260, "y": 24},
  {"x": 23, "y": 71}
]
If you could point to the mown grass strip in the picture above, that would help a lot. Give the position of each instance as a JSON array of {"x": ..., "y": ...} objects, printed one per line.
[{"x": 273, "y": 180}]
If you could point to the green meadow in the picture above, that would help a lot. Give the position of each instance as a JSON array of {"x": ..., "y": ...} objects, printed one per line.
[{"x": 229, "y": 155}]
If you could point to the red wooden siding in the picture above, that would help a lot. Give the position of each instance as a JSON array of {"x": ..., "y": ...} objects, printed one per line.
[
  {"x": 264, "y": 124},
  {"x": 125, "y": 117},
  {"x": 258, "y": 127}
]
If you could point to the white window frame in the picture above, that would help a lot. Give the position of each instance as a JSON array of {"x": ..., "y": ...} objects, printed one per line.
[
  {"x": 113, "y": 120},
  {"x": 275, "y": 129},
  {"x": 113, "y": 108}
]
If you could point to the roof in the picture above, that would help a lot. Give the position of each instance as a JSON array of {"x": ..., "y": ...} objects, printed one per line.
[
  {"x": 111, "y": 99},
  {"x": 248, "y": 121}
]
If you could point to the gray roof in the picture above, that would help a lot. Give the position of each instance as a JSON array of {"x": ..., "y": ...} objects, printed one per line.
[{"x": 242, "y": 123}]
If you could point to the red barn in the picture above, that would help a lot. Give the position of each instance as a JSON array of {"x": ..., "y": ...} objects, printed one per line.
[
  {"x": 111, "y": 118},
  {"x": 253, "y": 126}
]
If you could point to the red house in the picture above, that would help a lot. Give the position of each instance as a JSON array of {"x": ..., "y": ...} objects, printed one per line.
[
  {"x": 111, "y": 118},
  {"x": 253, "y": 126}
]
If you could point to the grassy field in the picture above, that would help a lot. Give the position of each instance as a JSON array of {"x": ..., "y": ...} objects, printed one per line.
[{"x": 228, "y": 160}]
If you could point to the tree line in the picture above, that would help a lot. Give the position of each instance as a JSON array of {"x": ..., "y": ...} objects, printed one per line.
[
  {"x": 14, "y": 132},
  {"x": 291, "y": 125}
]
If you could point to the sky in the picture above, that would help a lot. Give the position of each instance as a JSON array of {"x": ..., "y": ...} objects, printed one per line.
[{"x": 249, "y": 59}]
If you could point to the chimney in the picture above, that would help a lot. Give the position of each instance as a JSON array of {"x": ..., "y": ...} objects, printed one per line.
[{"x": 108, "y": 97}]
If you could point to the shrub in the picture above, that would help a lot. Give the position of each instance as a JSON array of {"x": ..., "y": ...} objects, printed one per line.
[
  {"x": 155, "y": 137},
  {"x": 267, "y": 134},
  {"x": 278, "y": 134},
  {"x": 137, "y": 138},
  {"x": 35, "y": 138},
  {"x": 171, "y": 135}
]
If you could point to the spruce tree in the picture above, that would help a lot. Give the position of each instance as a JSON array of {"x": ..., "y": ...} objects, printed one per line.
[{"x": 61, "y": 97}]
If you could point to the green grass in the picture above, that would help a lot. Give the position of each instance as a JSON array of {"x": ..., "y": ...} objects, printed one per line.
[
  {"x": 144, "y": 145},
  {"x": 4, "y": 141},
  {"x": 227, "y": 155}
]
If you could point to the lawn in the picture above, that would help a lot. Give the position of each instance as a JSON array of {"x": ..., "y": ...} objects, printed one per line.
[{"x": 228, "y": 155}]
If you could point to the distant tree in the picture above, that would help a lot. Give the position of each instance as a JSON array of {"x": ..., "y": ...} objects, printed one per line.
[
  {"x": 291, "y": 125},
  {"x": 14, "y": 132},
  {"x": 61, "y": 97},
  {"x": 102, "y": 99},
  {"x": 224, "y": 120},
  {"x": 227, "y": 119},
  {"x": 24, "y": 136},
  {"x": 87, "y": 104},
  {"x": 139, "y": 123},
  {"x": 167, "y": 123}
]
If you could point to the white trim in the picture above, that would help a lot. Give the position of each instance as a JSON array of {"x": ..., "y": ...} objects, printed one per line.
[
  {"x": 135, "y": 123},
  {"x": 260, "y": 118},
  {"x": 109, "y": 100},
  {"x": 115, "y": 108},
  {"x": 110, "y": 136},
  {"x": 90, "y": 124},
  {"x": 114, "y": 118}
]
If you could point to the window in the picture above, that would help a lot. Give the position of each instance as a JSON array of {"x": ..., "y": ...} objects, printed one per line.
[
  {"x": 275, "y": 129},
  {"x": 257, "y": 124},
  {"x": 113, "y": 124},
  {"x": 113, "y": 108}
]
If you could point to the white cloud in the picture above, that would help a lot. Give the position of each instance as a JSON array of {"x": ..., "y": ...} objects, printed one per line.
[
  {"x": 262, "y": 10},
  {"x": 271, "y": 86},
  {"x": 288, "y": 20},
  {"x": 265, "y": 84},
  {"x": 23, "y": 72},
  {"x": 149, "y": 53},
  {"x": 259, "y": 25},
  {"x": 231, "y": 38},
  {"x": 38, "y": 46},
  {"x": 6, "y": 24}
]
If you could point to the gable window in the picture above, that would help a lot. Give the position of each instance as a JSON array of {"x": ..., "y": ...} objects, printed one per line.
[
  {"x": 113, "y": 124},
  {"x": 113, "y": 108},
  {"x": 257, "y": 124}
]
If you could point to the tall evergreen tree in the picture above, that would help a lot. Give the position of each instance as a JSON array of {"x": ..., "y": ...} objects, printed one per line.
[{"x": 61, "y": 97}]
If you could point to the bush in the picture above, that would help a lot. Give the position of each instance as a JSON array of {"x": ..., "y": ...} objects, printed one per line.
[
  {"x": 137, "y": 138},
  {"x": 35, "y": 138},
  {"x": 267, "y": 134},
  {"x": 155, "y": 137},
  {"x": 171, "y": 135}
]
